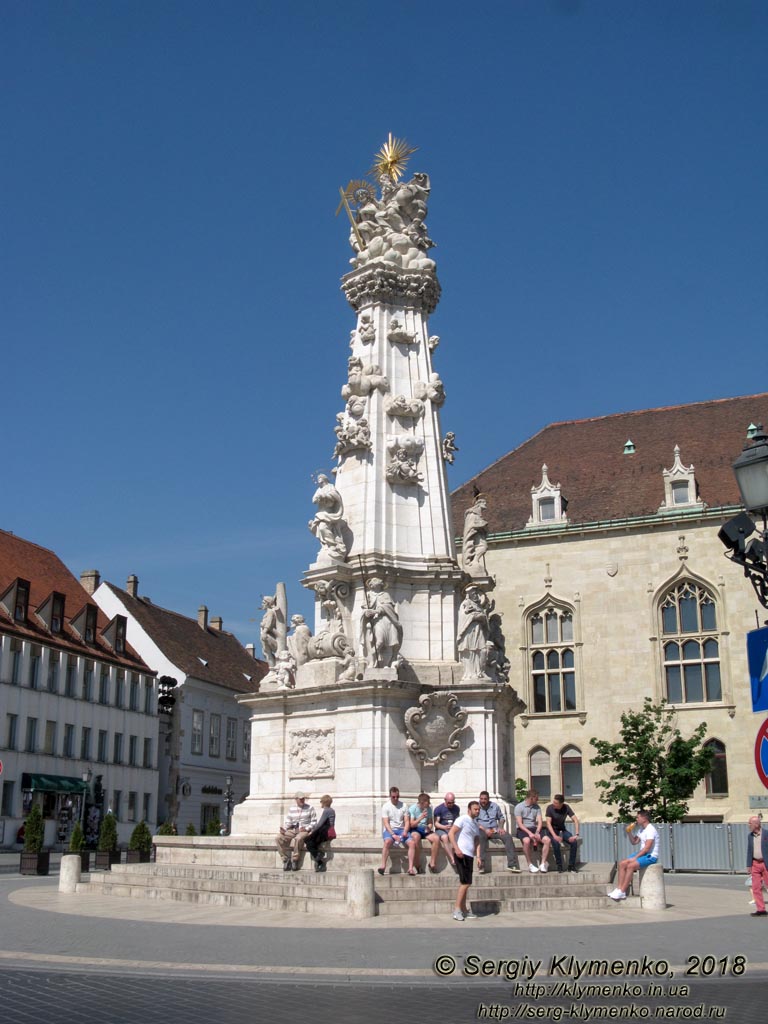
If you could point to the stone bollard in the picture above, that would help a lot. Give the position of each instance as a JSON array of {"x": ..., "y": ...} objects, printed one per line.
[
  {"x": 651, "y": 889},
  {"x": 69, "y": 872},
  {"x": 361, "y": 895}
]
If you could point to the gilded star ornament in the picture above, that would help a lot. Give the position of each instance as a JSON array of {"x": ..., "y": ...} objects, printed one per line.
[{"x": 392, "y": 158}]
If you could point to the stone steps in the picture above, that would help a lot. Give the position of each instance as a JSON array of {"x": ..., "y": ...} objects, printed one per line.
[{"x": 326, "y": 893}]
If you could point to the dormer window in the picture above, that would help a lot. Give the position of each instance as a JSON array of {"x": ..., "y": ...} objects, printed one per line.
[
  {"x": 84, "y": 623},
  {"x": 51, "y": 612},
  {"x": 679, "y": 486},
  {"x": 15, "y": 600},
  {"x": 120, "y": 635},
  {"x": 114, "y": 634},
  {"x": 90, "y": 623},
  {"x": 57, "y": 613},
  {"x": 21, "y": 602},
  {"x": 549, "y": 505}
]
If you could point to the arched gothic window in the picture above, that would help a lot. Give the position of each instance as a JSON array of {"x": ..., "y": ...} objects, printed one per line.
[
  {"x": 690, "y": 645},
  {"x": 571, "y": 774},
  {"x": 553, "y": 667},
  {"x": 717, "y": 780},
  {"x": 541, "y": 779}
]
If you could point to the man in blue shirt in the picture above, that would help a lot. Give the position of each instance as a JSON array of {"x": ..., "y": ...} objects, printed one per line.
[
  {"x": 445, "y": 815},
  {"x": 491, "y": 828}
]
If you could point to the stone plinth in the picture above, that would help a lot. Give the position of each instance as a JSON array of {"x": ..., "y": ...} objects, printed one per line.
[{"x": 350, "y": 740}]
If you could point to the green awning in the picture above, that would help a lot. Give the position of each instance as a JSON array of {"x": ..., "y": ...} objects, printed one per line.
[{"x": 52, "y": 783}]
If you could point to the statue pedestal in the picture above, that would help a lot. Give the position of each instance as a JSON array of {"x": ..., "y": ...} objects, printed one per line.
[{"x": 350, "y": 740}]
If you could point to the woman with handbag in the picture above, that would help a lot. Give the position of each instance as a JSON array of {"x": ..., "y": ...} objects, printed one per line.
[{"x": 322, "y": 832}]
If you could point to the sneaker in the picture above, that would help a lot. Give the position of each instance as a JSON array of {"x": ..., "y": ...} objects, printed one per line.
[
  {"x": 533, "y": 869},
  {"x": 757, "y": 913},
  {"x": 380, "y": 870},
  {"x": 458, "y": 916},
  {"x": 287, "y": 864},
  {"x": 618, "y": 895},
  {"x": 513, "y": 867},
  {"x": 544, "y": 868},
  {"x": 613, "y": 893},
  {"x": 469, "y": 916}
]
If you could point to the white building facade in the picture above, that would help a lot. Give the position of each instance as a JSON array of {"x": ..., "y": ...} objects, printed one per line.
[{"x": 78, "y": 706}]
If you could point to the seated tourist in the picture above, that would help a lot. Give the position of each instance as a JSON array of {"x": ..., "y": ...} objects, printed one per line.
[
  {"x": 296, "y": 826},
  {"x": 393, "y": 826},
  {"x": 420, "y": 821},
  {"x": 445, "y": 815},
  {"x": 320, "y": 833}
]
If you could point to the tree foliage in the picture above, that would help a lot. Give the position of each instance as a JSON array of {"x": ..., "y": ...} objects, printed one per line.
[
  {"x": 77, "y": 839},
  {"x": 108, "y": 834},
  {"x": 141, "y": 838},
  {"x": 34, "y": 830},
  {"x": 652, "y": 766}
]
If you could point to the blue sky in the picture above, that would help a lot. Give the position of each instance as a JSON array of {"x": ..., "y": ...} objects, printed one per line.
[{"x": 173, "y": 334}]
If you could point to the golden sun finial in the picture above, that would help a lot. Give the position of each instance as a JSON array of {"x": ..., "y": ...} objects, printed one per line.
[{"x": 392, "y": 158}]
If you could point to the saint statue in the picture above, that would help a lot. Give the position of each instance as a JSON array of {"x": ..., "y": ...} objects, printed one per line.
[
  {"x": 475, "y": 540},
  {"x": 328, "y": 523},
  {"x": 381, "y": 635},
  {"x": 268, "y": 630},
  {"x": 472, "y": 637}
]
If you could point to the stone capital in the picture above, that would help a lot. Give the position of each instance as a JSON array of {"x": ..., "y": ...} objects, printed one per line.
[{"x": 386, "y": 284}]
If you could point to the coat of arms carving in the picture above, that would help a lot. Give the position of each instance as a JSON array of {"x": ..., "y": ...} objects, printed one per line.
[{"x": 434, "y": 727}]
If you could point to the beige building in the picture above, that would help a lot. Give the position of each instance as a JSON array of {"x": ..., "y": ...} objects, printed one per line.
[{"x": 613, "y": 586}]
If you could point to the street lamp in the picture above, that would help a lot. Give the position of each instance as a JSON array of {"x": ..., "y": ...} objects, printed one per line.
[
  {"x": 86, "y": 777},
  {"x": 229, "y": 799},
  {"x": 747, "y": 545}
]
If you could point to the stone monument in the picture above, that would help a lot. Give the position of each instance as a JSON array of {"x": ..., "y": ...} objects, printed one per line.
[{"x": 403, "y": 681}]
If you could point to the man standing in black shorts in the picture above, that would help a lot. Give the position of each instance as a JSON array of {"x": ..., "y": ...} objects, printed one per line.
[{"x": 464, "y": 836}]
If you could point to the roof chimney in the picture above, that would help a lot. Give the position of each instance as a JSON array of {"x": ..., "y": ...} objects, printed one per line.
[
  {"x": 132, "y": 586},
  {"x": 217, "y": 623},
  {"x": 90, "y": 579},
  {"x": 202, "y": 617},
  {"x": 250, "y": 649}
]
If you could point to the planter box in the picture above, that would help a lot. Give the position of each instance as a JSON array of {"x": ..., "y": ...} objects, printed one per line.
[
  {"x": 85, "y": 860},
  {"x": 106, "y": 858},
  {"x": 35, "y": 863},
  {"x": 137, "y": 857}
]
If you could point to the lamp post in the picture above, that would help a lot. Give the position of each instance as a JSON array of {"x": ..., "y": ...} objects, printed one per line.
[
  {"x": 229, "y": 799},
  {"x": 86, "y": 777},
  {"x": 747, "y": 545}
]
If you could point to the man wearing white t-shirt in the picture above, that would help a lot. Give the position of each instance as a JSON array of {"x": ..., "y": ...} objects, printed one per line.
[
  {"x": 464, "y": 837},
  {"x": 648, "y": 854}
]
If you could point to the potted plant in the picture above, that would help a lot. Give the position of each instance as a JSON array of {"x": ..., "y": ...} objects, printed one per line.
[
  {"x": 213, "y": 828},
  {"x": 139, "y": 845},
  {"x": 77, "y": 845},
  {"x": 34, "y": 860},
  {"x": 191, "y": 830},
  {"x": 167, "y": 829},
  {"x": 107, "y": 852}
]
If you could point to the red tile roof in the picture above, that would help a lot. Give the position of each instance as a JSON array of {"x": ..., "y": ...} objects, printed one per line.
[
  {"x": 47, "y": 573},
  {"x": 187, "y": 645},
  {"x": 599, "y": 481}
]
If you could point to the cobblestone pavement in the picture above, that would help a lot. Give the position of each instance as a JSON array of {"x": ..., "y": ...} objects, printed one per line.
[
  {"x": 131, "y": 960},
  {"x": 28, "y": 997}
]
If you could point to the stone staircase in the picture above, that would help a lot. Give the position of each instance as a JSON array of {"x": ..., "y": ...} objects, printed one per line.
[{"x": 246, "y": 874}]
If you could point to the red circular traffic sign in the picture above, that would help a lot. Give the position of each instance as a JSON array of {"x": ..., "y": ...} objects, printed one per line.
[{"x": 761, "y": 753}]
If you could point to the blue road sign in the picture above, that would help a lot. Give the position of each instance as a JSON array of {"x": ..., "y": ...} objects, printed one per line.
[{"x": 757, "y": 656}]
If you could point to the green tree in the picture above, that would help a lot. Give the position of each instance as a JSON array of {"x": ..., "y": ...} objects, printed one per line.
[
  {"x": 108, "y": 834},
  {"x": 213, "y": 828},
  {"x": 521, "y": 788},
  {"x": 34, "y": 830},
  {"x": 77, "y": 839},
  {"x": 191, "y": 830},
  {"x": 141, "y": 838},
  {"x": 652, "y": 766},
  {"x": 166, "y": 829}
]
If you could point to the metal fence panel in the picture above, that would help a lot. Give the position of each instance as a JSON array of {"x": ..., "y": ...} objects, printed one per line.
[{"x": 698, "y": 846}]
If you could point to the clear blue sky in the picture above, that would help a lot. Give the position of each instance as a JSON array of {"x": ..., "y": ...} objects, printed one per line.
[{"x": 173, "y": 334}]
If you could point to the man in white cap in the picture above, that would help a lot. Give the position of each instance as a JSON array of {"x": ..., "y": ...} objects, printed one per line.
[{"x": 297, "y": 825}]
